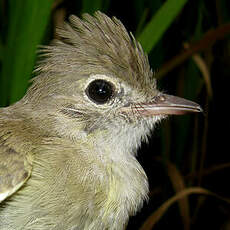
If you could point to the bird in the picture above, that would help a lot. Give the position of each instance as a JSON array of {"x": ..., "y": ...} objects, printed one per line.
[{"x": 68, "y": 147}]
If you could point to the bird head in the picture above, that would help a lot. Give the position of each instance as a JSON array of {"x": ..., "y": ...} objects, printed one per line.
[{"x": 95, "y": 78}]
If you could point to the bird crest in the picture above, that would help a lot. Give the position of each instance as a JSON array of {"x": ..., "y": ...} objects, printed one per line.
[{"x": 97, "y": 44}]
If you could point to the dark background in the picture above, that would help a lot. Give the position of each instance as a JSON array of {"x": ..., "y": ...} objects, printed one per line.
[{"x": 183, "y": 152}]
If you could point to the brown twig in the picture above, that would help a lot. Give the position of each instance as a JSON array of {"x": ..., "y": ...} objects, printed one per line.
[{"x": 206, "y": 42}]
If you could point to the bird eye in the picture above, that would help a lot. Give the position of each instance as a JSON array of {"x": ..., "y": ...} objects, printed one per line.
[{"x": 100, "y": 91}]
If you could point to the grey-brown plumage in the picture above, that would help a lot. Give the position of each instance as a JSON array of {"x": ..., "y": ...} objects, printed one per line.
[{"x": 67, "y": 149}]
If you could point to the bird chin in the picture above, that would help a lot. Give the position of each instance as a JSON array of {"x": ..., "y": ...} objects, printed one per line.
[
  {"x": 150, "y": 121},
  {"x": 135, "y": 133}
]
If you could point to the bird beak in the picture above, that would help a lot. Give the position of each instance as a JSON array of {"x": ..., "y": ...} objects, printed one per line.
[{"x": 164, "y": 104}]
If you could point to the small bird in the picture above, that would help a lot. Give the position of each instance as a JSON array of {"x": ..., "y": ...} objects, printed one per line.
[{"x": 68, "y": 147}]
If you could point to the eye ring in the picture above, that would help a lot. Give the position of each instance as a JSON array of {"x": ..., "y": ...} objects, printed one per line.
[{"x": 100, "y": 91}]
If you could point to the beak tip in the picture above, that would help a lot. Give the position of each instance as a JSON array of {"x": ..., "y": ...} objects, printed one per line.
[{"x": 200, "y": 109}]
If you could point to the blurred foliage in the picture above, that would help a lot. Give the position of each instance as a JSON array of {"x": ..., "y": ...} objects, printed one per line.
[
  {"x": 189, "y": 50},
  {"x": 24, "y": 28}
]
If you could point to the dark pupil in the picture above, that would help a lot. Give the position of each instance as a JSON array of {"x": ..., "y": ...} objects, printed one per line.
[{"x": 100, "y": 91}]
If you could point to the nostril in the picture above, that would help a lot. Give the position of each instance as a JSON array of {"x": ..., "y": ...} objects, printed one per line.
[{"x": 161, "y": 98}]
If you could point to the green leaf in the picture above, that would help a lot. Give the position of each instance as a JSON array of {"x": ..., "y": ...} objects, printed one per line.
[
  {"x": 1, "y": 51},
  {"x": 26, "y": 25},
  {"x": 159, "y": 23},
  {"x": 89, "y": 6}
]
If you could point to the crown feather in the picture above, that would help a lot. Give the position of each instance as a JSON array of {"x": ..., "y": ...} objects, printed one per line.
[{"x": 97, "y": 44}]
